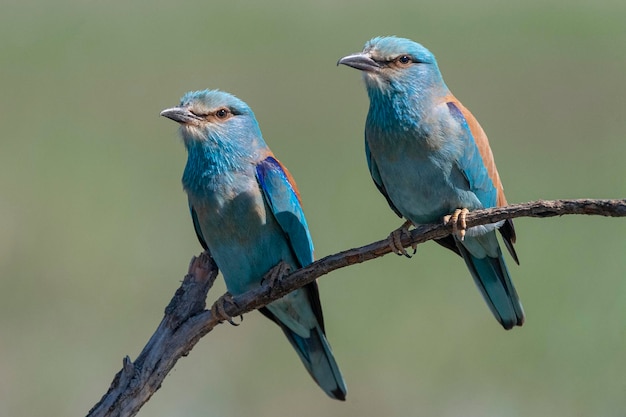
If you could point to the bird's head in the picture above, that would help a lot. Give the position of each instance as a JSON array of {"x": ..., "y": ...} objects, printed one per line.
[
  {"x": 215, "y": 118},
  {"x": 396, "y": 64}
]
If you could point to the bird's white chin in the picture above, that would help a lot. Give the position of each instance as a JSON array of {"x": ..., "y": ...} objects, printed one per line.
[
  {"x": 373, "y": 80},
  {"x": 192, "y": 132}
]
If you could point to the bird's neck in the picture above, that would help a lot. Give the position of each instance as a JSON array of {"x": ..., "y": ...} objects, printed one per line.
[
  {"x": 211, "y": 165},
  {"x": 398, "y": 109}
]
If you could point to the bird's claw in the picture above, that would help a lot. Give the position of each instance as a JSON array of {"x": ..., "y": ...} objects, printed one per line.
[
  {"x": 275, "y": 274},
  {"x": 218, "y": 311},
  {"x": 395, "y": 240},
  {"x": 459, "y": 224}
]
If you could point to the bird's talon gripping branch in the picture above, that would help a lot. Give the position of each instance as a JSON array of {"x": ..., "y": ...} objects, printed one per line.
[
  {"x": 274, "y": 275},
  {"x": 218, "y": 310},
  {"x": 395, "y": 240},
  {"x": 458, "y": 220}
]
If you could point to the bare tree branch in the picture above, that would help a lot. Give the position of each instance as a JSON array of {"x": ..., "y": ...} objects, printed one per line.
[
  {"x": 175, "y": 337},
  {"x": 186, "y": 320}
]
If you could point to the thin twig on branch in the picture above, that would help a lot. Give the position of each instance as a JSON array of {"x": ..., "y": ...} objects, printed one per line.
[{"x": 187, "y": 320}]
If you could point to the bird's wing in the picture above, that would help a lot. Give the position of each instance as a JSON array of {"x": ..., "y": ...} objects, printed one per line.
[
  {"x": 196, "y": 226},
  {"x": 283, "y": 198},
  {"x": 479, "y": 167},
  {"x": 371, "y": 164},
  {"x": 476, "y": 161}
]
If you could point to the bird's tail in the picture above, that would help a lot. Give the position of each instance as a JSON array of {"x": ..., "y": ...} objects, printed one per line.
[
  {"x": 318, "y": 359},
  {"x": 484, "y": 259}
]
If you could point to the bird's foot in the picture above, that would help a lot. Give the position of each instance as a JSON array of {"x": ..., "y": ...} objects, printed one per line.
[
  {"x": 459, "y": 225},
  {"x": 275, "y": 274},
  {"x": 218, "y": 310},
  {"x": 395, "y": 240}
]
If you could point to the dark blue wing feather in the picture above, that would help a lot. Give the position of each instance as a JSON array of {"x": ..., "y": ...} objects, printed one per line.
[
  {"x": 196, "y": 227},
  {"x": 371, "y": 164},
  {"x": 281, "y": 196}
]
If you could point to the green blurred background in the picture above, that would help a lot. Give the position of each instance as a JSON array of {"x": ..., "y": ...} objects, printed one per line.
[{"x": 95, "y": 234}]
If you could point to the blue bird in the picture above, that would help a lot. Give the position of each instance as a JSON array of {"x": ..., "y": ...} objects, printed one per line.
[
  {"x": 430, "y": 158},
  {"x": 246, "y": 211}
]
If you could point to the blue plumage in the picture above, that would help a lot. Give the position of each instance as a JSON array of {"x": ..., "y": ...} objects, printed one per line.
[
  {"x": 246, "y": 211},
  {"x": 285, "y": 205},
  {"x": 429, "y": 157}
]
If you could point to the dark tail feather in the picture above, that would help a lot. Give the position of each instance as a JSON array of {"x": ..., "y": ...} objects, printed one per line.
[
  {"x": 507, "y": 230},
  {"x": 317, "y": 357},
  {"x": 494, "y": 282}
]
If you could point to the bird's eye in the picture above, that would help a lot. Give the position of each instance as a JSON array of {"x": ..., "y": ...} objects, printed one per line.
[
  {"x": 404, "y": 59},
  {"x": 222, "y": 114}
]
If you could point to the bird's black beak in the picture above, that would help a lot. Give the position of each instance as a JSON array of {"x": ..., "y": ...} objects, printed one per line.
[
  {"x": 181, "y": 115},
  {"x": 361, "y": 62}
]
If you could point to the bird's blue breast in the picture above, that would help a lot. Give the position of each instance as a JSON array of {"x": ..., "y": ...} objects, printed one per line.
[
  {"x": 416, "y": 160},
  {"x": 235, "y": 221},
  {"x": 240, "y": 231}
]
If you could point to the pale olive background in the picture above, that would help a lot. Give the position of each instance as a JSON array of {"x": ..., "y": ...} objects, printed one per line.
[{"x": 95, "y": 234}]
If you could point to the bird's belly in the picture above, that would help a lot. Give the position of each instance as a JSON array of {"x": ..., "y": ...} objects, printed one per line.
[
  {"x": 423, "y": 189},
  {"x": 244, "y": 238}
]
